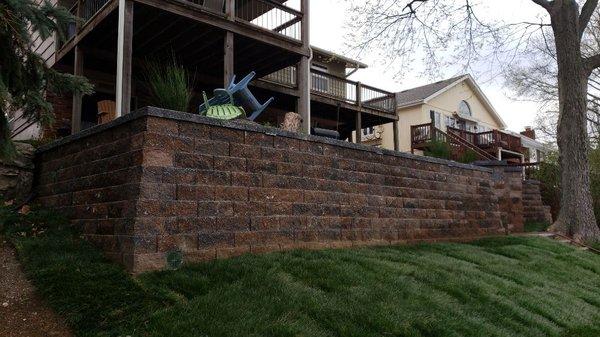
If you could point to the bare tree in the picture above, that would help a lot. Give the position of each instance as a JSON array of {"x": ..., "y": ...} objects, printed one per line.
[{"x": 433, "y": 29}]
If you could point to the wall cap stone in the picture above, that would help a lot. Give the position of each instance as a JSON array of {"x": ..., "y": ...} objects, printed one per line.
[{"x": 246, "y": 126}]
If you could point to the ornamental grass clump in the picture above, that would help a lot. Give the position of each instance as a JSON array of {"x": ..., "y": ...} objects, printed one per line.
[{"x": 169, "y": 85}]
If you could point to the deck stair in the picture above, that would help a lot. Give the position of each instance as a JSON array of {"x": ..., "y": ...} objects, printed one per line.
[{"x": 422, "y": 136}]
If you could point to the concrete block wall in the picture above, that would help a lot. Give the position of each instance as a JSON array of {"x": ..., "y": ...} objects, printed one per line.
[{"x": 156, "y": 182}]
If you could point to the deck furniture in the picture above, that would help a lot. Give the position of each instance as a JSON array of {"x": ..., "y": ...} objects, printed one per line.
[
  {"x": 106, "y": 111},
  {"x": 242, "y": 96}
]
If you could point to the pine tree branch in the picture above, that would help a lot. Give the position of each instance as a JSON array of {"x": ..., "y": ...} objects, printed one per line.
[{"x": 586, "y": 14}]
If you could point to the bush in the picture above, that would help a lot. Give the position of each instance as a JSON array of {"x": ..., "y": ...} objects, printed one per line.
[
  {"x": 169, "y": 85},
  {"x": 438, "y": 149},
  {"x": 468, "y": 157},
  {"x": 548, "y": 174}
]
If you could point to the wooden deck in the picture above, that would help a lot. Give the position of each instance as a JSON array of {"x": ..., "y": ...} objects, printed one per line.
[{"x": 488, "y": 145}]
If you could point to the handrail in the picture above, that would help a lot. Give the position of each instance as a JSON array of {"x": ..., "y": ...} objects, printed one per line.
[
  {"x": 339, "y": 88},
  {"x": 271, "y": 15},
  {"x": 429, "y": 132}
]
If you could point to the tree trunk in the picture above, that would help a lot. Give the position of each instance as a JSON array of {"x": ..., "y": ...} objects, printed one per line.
[{"x": 576, "y": 217}]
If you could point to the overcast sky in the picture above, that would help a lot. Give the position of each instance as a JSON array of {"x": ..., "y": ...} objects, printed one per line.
[{"x": 328, "y": 32}]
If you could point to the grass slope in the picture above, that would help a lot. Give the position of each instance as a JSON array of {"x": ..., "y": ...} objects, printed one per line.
[{"x": 509, "y": 286}]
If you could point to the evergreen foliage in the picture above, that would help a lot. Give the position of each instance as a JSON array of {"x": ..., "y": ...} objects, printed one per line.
[{"x": 25, "y": 79}]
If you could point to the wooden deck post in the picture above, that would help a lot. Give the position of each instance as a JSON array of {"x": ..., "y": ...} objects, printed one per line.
[
  {"x": 304, "y": 70},
  {"x": 396, "y": 136},
  {"x": 228, "y": 52},
  {"x": 124, "y": 51},
  {"x": 358, "y": 128},
  {"x": 77, "y": 97}
]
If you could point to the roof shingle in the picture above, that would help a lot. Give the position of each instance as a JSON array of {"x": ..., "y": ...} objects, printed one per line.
[{"x": 418, "y": 94}]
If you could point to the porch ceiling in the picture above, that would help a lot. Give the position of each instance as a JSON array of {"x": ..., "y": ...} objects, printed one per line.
[{"x": 158, "y": 34}]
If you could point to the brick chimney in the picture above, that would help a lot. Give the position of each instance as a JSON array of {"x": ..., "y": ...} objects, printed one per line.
[{"x": 529, "y": 132}]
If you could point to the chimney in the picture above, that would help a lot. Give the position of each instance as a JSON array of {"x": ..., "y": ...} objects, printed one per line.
[{"x": 529, "y": 132}]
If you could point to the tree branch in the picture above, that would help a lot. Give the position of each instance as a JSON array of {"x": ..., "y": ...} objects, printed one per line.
[
  {"x": 592, "y": 62},
  {"x": 586, "y": 14},
  {"x": 545, "y": 3}
]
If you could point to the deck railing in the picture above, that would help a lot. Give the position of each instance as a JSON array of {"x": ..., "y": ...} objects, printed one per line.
[
  {"x": 423, "y": 134},
  {"x": 339, "y": 89},
  {"x": 271, "y": 15}
]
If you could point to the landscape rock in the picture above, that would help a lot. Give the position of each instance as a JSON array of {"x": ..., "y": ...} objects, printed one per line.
[{"x": 16, "y": 176}]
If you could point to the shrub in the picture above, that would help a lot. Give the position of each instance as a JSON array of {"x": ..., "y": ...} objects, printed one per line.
[
  {"x": 468, "y": 157},
  {"x": 438, "y": 149},
  {"x": 169, "y": 85},
  {"x": 548, "y": 174}
]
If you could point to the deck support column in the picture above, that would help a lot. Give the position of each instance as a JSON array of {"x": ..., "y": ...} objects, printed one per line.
[
  {"x": 124, "y": 55},
  {"x": 77, "y": 97},
  {"x": 228, "y": 61},
  {"x": 228, "y": 48},
  {"x": 396, "y": 136},
  {"x": 358, "y": 128},
  {"x": 303, "y": 73}
]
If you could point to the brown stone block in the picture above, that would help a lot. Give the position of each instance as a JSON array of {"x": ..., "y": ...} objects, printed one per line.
[
  {"x": 231, "y": 193},
  {"x": 278, "y": 208},
  {"x": 246, "y": 179},
  {"x": 227, "y": 135},
  {"x": 157, "y": 191},
  {"x": 244, "y": 151},
  {"x": 233, "y": 223},
  {"x": 213, "y": 178},
  {"x": 177, "y": 175},
  {"x": 264, "y": 248},
  {"x": 248, "y": 208},
  {"x": 230, "y": 164},
  {"x": 224, "y": 253},
  {"x": 179, "y": 242},
  {"x": 259, "y": 139},
  {"x": 290, "y": 169},
  {"x": 292, "y": 222},
  {"x": 262, "y": 166},
  {"x": 162, "y": 125},
  {"x": 215, "y": 208},
  {"x": 166, "y": 208},
  {"x": 195, "y": 192},
  {"x": 211, "y": 147},
  {"x": 194, "y": 130},
  {"x": 139, "y": 244},
  {"x": 275, "y": 195},
  {"x": 258, "y": 223},
  {"x": 216, "y": 240},
  {"x": 193, "y": 161},
  {"x": 198, "y": 256}
]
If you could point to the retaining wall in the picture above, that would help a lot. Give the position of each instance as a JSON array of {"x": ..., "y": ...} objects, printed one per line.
[{"x": 156, "y": 182}]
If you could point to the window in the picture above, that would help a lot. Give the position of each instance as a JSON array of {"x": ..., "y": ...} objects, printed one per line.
[
  {"x": 464, "y": 109},
  {"x": 450, "y": 122},
  {"x": 370, "y": 131},
  {"x": 320, "y": 82},
  {"x": 436, "y": 118}
]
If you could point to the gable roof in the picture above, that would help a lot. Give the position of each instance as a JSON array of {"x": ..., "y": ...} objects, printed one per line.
[
  {"x": 425, "y": 93},
  {"x": 419, "y": 94}
]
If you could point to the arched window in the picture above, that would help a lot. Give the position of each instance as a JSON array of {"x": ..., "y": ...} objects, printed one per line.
[{"x": 464, "y": 108}]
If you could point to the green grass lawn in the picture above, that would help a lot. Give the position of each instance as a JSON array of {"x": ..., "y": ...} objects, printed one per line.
[
  {"x": 536, "y": 226},
  {"x": 512, "y": 286}
]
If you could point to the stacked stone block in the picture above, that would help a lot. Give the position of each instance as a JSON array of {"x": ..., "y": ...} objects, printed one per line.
[
  {"x": 157, "y": 182},
  {"x": 534, "y": 210}
]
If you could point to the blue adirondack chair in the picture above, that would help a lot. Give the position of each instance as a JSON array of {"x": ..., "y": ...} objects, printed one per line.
[{"x": 241, "y": 95}]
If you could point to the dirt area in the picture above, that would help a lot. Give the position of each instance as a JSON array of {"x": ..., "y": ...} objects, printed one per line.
[{"x": 22, "y": 312}]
